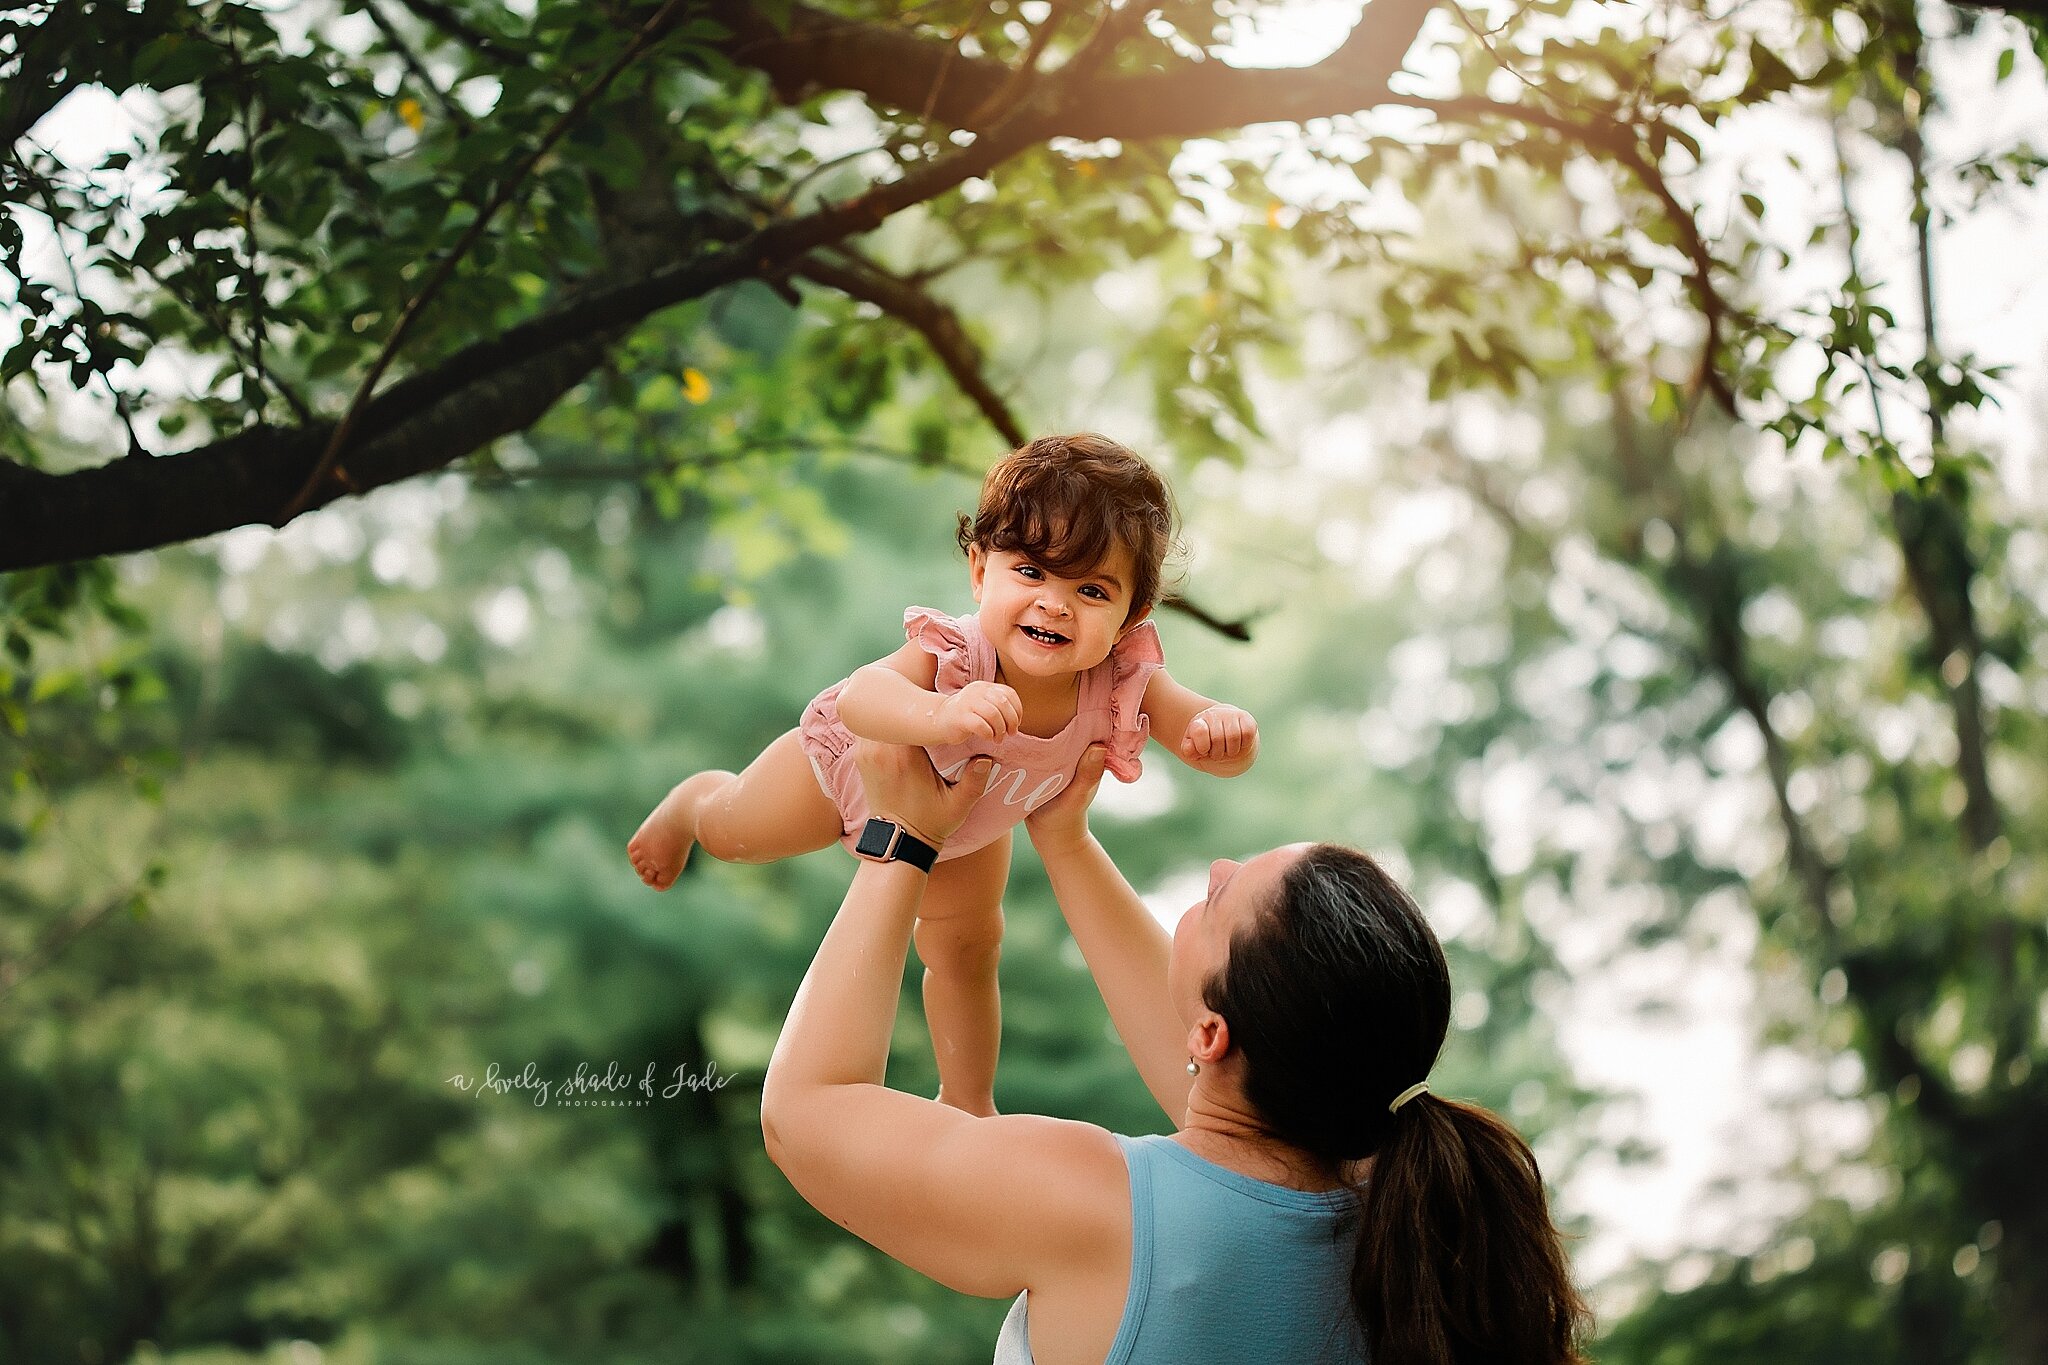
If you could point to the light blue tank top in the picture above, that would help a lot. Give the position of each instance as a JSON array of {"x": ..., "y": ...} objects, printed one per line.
[{"x": 1224, "y": 1268}]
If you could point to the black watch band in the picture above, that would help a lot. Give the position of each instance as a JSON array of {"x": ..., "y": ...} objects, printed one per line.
[{"x": 885, "y": 841}]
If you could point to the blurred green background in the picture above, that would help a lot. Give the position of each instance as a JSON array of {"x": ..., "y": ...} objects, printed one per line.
[{"x": 1711, "y": 741}]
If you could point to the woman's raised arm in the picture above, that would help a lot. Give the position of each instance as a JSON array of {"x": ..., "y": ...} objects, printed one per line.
[
  {"x": 983, "y": 1205},
  {"x": 1125, "y": 946}
]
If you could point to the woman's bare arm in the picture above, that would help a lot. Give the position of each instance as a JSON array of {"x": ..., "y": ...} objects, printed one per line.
[
  {"x": 1125, "y": 946},
  {"x": 983, "y": 1205}
]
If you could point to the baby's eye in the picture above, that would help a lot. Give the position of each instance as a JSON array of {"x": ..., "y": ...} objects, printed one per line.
[
  {"x": 1030, "y": 571},
  {"x": 1100, "y": 595}
]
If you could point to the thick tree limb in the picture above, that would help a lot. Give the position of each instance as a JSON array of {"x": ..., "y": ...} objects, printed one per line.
[
  {"x": 901, "y": 70},
  {"x": 503, "y": 384},
  {"x": 897, "y": 68}
]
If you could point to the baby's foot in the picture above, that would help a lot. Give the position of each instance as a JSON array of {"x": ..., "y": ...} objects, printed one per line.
[{"x": 662, "y": 844}]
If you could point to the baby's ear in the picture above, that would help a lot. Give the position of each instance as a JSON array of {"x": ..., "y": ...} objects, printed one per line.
[
  {"x": 1132, "y": 621},
  {"x": 977, "y": 568}
]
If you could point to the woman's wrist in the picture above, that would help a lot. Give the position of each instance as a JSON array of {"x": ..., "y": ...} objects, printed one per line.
[{"x": 912, "y": 828}]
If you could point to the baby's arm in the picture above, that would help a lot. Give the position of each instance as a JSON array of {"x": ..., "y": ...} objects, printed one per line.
[
  {"x": 891, "y": 701},
  {"x": 1208, "y": 736}
]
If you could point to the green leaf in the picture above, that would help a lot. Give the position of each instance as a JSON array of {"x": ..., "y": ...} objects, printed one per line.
[
  {"x": 54, "y": 684},
  {"x": 2005, "y": 63}
]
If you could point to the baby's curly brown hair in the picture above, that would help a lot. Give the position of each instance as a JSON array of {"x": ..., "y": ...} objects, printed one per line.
[{"x": 1067, "y": 501}]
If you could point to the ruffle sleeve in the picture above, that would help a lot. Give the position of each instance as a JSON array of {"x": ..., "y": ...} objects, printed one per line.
[
  {"x": 1132, "y": 663},
  {"x": 949, "y": 641}
]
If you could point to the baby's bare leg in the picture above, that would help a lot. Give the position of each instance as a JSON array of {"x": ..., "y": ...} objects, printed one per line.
[
  {"x": 960, "y": 937},
  {"x": 775, "y": 809}
]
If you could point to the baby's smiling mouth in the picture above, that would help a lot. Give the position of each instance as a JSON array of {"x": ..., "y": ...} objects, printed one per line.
[{"x": 1043, "y": 636}]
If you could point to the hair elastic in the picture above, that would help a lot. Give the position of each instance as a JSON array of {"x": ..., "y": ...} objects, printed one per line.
[{"x": 1419, "y": 1088}]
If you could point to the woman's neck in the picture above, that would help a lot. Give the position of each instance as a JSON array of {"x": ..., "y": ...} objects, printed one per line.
[{"x": 1232, "y": 1140}]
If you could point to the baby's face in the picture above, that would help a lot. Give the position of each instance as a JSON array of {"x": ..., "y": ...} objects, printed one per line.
[{"x": 1044, "y": 625}]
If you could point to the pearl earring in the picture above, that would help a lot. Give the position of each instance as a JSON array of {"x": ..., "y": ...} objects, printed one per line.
[{"x": 1194, "y": 1067}]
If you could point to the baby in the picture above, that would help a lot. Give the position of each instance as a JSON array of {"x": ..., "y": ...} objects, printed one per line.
[{"x": 1064, "y": 557}]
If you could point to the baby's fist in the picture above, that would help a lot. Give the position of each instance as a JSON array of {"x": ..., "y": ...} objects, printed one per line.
[
  {"x": 980, "y": 713},
  {"x": 1220, "y": 735}
]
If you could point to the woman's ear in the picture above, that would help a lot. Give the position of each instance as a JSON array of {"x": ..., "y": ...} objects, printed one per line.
[{"x": 1209, "y": 1039}]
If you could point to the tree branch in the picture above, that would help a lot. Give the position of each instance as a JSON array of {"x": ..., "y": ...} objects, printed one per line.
[
  {"x": 897, "y": 68},
  {"x": 418, "y": 68},
  {"x": 938, "y": 324},
  {"x": 503, "y": 384},
  {"x": 444, "y": 18}
]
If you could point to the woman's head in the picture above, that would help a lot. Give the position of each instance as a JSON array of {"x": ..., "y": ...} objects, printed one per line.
[
  {"x": 1332, "y": 987},
  {"x": 1077, "y": 504},
  {"x": 1319, "y": 973}
]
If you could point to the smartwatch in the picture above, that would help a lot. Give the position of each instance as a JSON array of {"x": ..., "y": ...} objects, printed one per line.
[{"x": 885, "y": 841}]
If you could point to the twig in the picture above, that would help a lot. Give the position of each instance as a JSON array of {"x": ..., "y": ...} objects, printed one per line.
[
  {"x": 49, "y": 207},
  {"x": 13, "y": 973},
  {"x": 1006, "y": 95},
  {"x": 203, "y": 309},
  {"x": 946, "y": 60},
  {"x": 1239, "y": 630},
  {"x": 418, "y": 68},
  {"x": 445, "y": 18},
  {"x": 252, "y": 285},
  {"x": 938, "y": 324}
]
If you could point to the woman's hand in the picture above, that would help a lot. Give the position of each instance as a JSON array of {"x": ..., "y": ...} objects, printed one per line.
[
  {"x": 902, "y": 786},
  {"x": 1064, "y": 819},
  {"x": 1221, "y": 738},
  {"x": 979, "y": 713}
]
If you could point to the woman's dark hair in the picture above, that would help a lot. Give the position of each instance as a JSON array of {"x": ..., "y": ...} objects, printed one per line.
[
  {"x": 1339, "y": 997},
  {"x": 1067, "y": 501}
]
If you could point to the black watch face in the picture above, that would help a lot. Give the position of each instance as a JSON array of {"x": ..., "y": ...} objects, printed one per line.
[{"x": 874, "y": 839}]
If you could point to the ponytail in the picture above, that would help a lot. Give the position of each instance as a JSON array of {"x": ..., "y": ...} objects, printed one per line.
[{"x": 1458, "y": 1262}]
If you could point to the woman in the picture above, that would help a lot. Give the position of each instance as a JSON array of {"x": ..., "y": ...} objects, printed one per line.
[{"x": 1314, "y": 1198}]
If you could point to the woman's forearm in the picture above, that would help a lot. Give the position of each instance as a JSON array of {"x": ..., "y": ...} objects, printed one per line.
[
  {"x": 1126, "y": 949},
  {"x": 881, "y": 704},
  {"x": 839, "y": 1027}
]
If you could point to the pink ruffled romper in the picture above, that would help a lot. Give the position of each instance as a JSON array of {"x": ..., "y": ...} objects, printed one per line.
[{"x": 1029, "y": 771}]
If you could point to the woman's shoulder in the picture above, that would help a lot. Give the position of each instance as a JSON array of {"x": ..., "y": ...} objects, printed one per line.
[
  {"x": 1076, "y": 1172},
  {"x": 1087, "y": 1159}
]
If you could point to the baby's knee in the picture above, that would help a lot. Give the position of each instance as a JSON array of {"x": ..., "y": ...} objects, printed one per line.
[
  {"x": 962, "y": 945},
  {"x": 720, "y": 830}
]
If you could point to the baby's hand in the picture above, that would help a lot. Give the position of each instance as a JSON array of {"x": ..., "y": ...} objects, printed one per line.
[
  {"x": 1221, "y": 736},
  {"x": 980, "y": 713}
]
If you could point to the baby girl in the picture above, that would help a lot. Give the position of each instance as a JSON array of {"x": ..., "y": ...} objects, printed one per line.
[{"x": 1064, "y": 557}]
